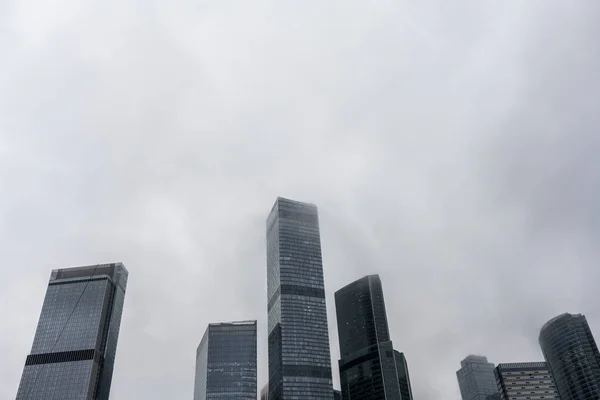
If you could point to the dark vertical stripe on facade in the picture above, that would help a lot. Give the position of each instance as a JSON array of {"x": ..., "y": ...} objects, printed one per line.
[{"x": 275, "y": 364}]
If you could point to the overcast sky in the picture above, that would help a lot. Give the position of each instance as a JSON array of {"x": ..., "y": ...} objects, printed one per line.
[{"x": 451, "y": 146}]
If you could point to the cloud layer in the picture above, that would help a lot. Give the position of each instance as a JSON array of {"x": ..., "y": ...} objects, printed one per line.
[{"x": 451, "y": 147}]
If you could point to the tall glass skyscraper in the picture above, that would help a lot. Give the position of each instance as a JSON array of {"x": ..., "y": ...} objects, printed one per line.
[
  {"x": 299, "y": 358},
  {"x": 476, "y": 378},
  {"x": 74, "y": 348},
  {"x": 525, "y": 380},
  {"x": 368, "y": 364},
  {"x": 572, "y": 355},
  {"x": 226, "y": 362}
]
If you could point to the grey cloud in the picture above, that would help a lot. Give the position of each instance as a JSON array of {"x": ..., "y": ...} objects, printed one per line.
[{"x": 450, "y": 148}]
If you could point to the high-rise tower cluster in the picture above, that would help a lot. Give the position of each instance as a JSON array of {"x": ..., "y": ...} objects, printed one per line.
[
  {"x": 75, "y": 343},
  {"x": 571, "y": 370},
  {"x": 298, "y": 337},
  {"x": 74, "y": 348}
]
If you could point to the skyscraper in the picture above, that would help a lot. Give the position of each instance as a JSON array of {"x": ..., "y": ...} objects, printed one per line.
[
  {"x": 572, "y": 356},
  {"x": 476, "y": 378},
  {"x": 75, "y": 342},
  {"x": 526, "y": 380},
  {"x": 299, "y": 358},
  {"x": 226, "y": 362},
  {"x": 403, "y": 376},
  {"x": 367, "y": 365}
]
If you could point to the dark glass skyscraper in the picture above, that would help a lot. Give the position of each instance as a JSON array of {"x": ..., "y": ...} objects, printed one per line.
[
  {"x": 525, "y": 380},
  {"x": 476, "y": 378},
  {"x": 572, "y": 355},
  {"x": 368, "y": 365},
  {"x": 74, "y": 348},
  {"x": 403, "y": 376},
  {"x": 226, "y": 362},
  {"x": 299, "y": 358}
]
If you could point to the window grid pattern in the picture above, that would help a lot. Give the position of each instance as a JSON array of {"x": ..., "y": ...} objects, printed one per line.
[
  {"x": 403, "y": 376},
  {"x": 476, "y": 378},
  {"x": 525, "y": 381},
  {"x": 111, "y": 334},
  {"x": 299, "y": 356},
  {"x": 77, "y": 363},
  {"x": 226, "y": 362},
  {"x": 368, "y": 366},
  {"x": 81, "y": 331},
  {"x": 58, "y": 381},
  {"x": 572, "y": 356}
]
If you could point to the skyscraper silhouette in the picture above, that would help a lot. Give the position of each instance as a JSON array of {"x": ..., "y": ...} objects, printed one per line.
[
  {"x": 525, "y": 379},
  {"x": 226, "y": 362},
  {"x": 74, "y": 348},
  {"x": 476, "y": 378},
  {"x": 572, "y": 356},
  {"x": 403, "y": 376},
  {"x": 368, "y": 367},
  {"x": 299, "y": 358}
]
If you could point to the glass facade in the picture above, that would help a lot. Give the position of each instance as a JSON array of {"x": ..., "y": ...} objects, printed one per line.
[
  {"x": 403, "y": 376},
  {"x": 368, "y": 365},
  {"x": 299, "y": 358},
  {"x": 525, "y": 381},
  {"x": 226, "y": 362},
  {"x": 572, "y": 356},
  {"x": 476, "y": 378},
  {"x": 74, "y": 347}
]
